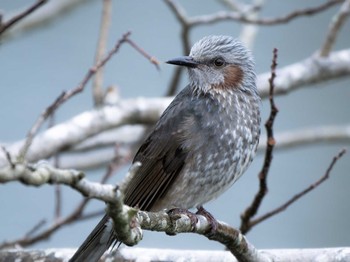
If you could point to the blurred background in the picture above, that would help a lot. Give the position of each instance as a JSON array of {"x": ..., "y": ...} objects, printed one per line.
[{"x": 36, "y": 65}]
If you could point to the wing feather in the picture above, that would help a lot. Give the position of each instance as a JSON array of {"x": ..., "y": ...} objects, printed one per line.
[{"x": 162, "y": 156}]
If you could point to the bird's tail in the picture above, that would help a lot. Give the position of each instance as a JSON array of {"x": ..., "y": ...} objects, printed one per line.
[{"x": 99, "y": 240}]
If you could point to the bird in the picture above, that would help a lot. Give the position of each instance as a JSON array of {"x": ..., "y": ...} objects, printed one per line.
[{"x": 203, "y": 142}]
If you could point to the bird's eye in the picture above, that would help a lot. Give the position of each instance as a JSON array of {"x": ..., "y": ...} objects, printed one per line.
[{"x": 219, "y": 62}]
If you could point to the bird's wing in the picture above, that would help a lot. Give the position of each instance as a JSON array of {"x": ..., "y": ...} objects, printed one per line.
[{"x": 162, "y": 156}]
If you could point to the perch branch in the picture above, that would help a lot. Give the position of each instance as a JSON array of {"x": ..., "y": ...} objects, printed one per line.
[{"x": 130, "y": 233}]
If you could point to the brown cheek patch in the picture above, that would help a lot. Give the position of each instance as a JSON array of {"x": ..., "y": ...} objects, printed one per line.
[{"x": 233, "y": 76}]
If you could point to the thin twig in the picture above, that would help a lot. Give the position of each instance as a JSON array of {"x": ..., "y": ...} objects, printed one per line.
[
  {"x": 97, "y": 86},
  {"x": 58, "y": 202},
  {"x": 8, "y": 157},
  {"x": 67, "y": 95},
  {"x": 300, "y": 194},
  {"x": 152, "y": 59},
  {"x": 57, "y": 192},
  {"x": 91, "y": 215},
  {"x": 336, "y": 23},
  {"x": 235, "y": 5},
  {"x": 115, "y": 164},
  {"x": 179, "y": 12},
  {"x": 36, "y": 227},
  {"x": 242, "y": 7},
  {"x": 5, "y": 26},
  {"x": 27, "y": 241},
  {"x": 181, "y": 16},
  {"x": 254, "y": 206},
  {"x": 236, "y": 16}
]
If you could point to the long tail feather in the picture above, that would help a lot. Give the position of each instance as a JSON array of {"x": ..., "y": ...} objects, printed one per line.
[{"x": 99, "y": 240}]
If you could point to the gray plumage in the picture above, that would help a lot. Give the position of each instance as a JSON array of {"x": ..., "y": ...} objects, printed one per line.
[{"x": 202, "y": 143}]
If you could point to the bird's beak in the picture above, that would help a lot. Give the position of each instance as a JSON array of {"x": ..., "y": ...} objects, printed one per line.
[{"x": 183, "y": 61}]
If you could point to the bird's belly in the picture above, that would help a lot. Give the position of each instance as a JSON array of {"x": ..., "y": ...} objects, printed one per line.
[{"x": 205, "y": 178}]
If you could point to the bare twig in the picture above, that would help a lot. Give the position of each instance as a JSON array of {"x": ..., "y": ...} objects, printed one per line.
[
  {"x": 36, "y": 227},
  {"x": 300, "y": 194},
  {"x": 181, "y": 16},
  {"x": 67, "y": 95},
  {"x": 179, "y": 12},
  {"x": 237, "y": 5},
  {"x": 8, "y": 157},
  {"x": 115, "y": 164},
  {"x": 97, "y": 87},
  {"x": 58, "y": 202},
  {"x": 52, "y": 10},
  {"x": 251, "y": 211},
  {"x": 152, "y": 59},
  {"x": 5, "y": 26},
  {"x": 336, "y": 23},
  {"x": 58, "y": 193},
  {"x": 236, "y": 16}
]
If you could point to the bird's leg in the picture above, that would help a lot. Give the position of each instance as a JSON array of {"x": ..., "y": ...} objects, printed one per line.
[
  {"x": 212, "y": 221},
  {"x": 175, "y": 213}
]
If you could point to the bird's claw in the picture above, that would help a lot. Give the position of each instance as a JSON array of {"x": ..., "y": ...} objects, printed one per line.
[
  {"x": 177, "y": 212},
  {"x": 212, "y": 221}
]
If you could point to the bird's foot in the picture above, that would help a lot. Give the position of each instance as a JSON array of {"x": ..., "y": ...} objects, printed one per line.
[
  {"x": 176, "y": 213},
  {"x": 212, "y": 221}
]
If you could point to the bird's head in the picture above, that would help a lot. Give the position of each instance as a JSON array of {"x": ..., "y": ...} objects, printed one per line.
[{"x": 219, "y": 63}]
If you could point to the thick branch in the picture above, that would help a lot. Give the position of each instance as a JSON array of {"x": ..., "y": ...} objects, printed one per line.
[
  {"x": 173, "y": 222},
  {"x": 43, "y": 173},
  {"x": 310, "y": 71},
  {"x": 88, "y": 124}
]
